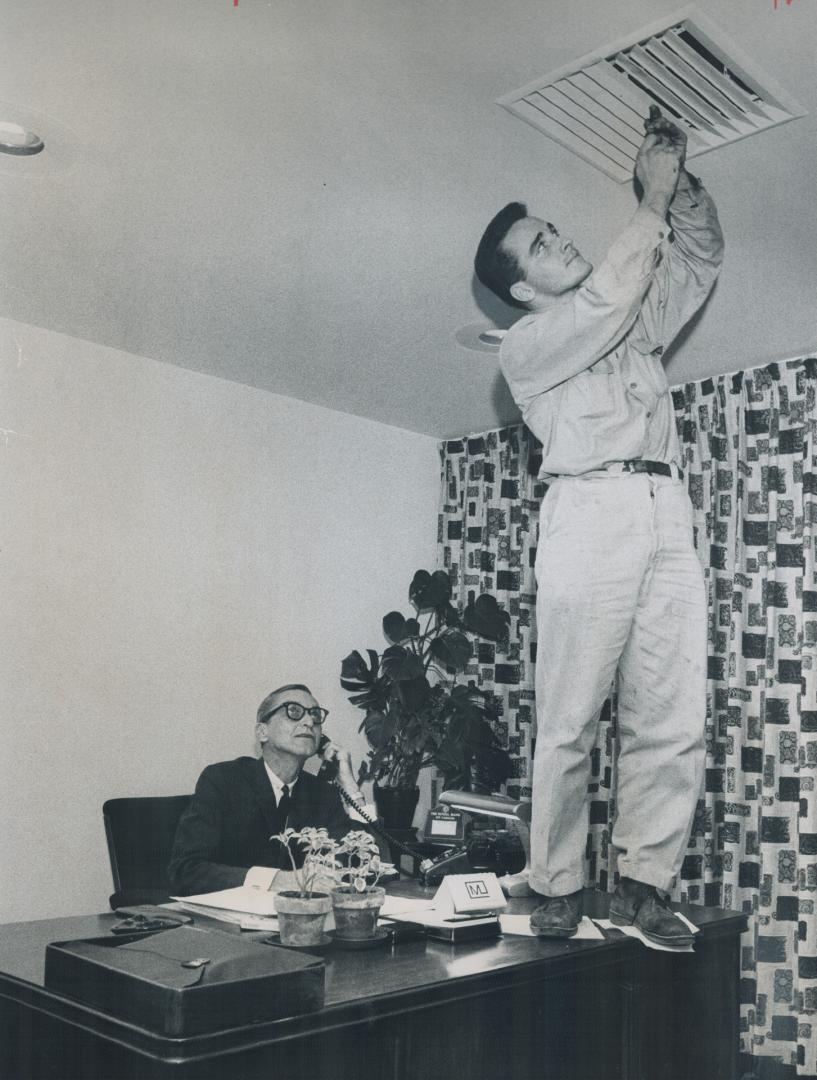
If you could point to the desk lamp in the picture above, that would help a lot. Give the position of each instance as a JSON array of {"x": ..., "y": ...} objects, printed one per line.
[{"x": 517, "y": 813}]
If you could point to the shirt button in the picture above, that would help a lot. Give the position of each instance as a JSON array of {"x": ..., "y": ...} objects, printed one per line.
[
  {"x": 633, "y": 385},
  {"x": 649, "y": 414}
]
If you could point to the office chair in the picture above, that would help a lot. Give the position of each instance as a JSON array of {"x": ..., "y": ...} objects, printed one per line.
[{"x": 140, "y": 834}]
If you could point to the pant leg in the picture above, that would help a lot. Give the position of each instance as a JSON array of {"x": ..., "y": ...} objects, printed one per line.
[
  {"x": 662, "y": 700},
  {"x": 594, "y": 547}
]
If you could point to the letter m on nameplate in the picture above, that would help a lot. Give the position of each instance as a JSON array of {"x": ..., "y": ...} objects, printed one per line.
[{"x": 469, "y": 893}]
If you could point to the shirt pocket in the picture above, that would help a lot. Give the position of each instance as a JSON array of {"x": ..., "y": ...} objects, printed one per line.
[{"x": 601, "y": 367}]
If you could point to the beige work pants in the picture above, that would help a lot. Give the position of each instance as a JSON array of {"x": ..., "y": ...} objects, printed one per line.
[{"x": 619, "y": 586}]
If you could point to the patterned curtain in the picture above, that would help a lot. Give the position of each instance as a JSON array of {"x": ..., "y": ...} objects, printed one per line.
[{"x": 750, "y": 448}]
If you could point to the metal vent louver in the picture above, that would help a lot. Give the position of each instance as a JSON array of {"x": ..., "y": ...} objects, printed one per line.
[{"x": 597, "y": 105}]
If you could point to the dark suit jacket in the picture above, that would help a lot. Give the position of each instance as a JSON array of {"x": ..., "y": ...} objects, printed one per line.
[{"x": 227, "y": 826}]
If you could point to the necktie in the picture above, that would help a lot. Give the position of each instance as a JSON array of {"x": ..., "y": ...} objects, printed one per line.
[{"x": 283, "y": 808}]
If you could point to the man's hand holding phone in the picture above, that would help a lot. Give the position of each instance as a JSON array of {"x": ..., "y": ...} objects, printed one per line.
[{"x": 337, "y": 765}]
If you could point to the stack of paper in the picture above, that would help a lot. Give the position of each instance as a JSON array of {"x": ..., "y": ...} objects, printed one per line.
[
  {"x": 402, "y": 905},
  {"x": 633, "y": 931},
  {"x": 247, "y": 906},
  {"x": 520, "y": 924}
]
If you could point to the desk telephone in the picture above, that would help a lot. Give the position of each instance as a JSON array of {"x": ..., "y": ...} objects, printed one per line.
[{"x": 454, "y": 860}]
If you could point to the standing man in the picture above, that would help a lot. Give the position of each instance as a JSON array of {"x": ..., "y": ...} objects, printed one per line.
[
  {"x": 224, "y": 837},
  {"x": 619, "y": 582}
]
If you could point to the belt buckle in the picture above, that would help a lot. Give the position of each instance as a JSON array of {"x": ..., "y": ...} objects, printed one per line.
[{"x": 635, "y": 465}]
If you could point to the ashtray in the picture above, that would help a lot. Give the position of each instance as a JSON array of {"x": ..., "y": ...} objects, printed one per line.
[
  {"x": 140, "y": 924},
  {"x": 326, "y": 941},
  {"x": 380, "y": 936}
]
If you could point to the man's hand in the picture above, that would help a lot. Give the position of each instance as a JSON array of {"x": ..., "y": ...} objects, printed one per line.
[
  {"x": 346, "y": 778},
  {"x": 674, "y": 136},
  {"x": 660, "y": 160}
]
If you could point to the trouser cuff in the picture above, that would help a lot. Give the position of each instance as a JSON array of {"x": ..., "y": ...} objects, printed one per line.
[
  {"x": 561, "y": 887},
  {"x": 647, "y": 875}
]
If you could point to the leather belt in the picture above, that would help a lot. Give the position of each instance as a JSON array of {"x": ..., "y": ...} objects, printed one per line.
[{"x": 638, "y": 465}]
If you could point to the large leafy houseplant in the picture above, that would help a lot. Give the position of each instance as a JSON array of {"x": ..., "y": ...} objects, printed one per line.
[{"x": 417, "y": 712}]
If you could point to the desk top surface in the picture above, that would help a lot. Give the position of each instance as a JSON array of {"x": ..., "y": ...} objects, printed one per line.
[
  {"x": 353, "y": 977},
  {"x": 367, "y": 990}
]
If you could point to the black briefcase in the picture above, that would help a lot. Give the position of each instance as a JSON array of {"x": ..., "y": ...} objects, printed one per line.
[{"x": 186, "y": 981}]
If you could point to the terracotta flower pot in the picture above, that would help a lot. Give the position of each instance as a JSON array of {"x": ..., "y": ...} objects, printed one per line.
[
  {"x": 356, "y": 912},
  {"x": 301, "y": 918}
]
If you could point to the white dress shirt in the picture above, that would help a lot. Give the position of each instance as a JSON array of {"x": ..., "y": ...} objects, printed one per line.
[{"x": 263, "y": 876}]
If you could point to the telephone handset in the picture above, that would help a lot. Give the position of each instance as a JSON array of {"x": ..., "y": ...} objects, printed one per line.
[{"x": 329, "y": 769}]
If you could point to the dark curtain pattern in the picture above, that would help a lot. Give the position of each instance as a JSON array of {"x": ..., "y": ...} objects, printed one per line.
[{"x": 750, "y": 456}]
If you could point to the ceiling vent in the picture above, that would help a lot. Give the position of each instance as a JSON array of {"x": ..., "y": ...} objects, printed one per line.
[{"x": 596, "y": 107}]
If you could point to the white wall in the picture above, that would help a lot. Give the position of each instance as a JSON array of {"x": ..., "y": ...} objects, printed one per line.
[{"x": 172, "y": 546}]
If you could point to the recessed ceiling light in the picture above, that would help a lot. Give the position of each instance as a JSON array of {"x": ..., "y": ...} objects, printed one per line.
[
  {"x": 492, "y": 337},
  {"x": 24, "y": 133},
  {"x": 14, "y": 139},
  {"x": 480, "y": 337}
]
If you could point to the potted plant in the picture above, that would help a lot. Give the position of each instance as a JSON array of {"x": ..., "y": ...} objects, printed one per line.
[
  {"x": 417, "y": 712},
  {"x": 357, "y": 901},
  {"x": 302, "y": 912}
]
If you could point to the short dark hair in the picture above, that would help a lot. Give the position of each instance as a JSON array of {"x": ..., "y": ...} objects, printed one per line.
[
  {"x": 266, "y": 707},
  {"x": 495, "y": 268}
]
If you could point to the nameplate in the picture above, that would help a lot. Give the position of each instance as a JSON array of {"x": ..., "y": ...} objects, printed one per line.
[{"x": 469, "y": 894}]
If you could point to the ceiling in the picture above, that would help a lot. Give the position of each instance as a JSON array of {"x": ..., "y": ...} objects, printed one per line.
[{"x": 288, "y": 193}]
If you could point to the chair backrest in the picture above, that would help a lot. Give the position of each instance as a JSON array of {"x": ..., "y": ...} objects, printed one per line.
[{"x": 140, "y": 834}]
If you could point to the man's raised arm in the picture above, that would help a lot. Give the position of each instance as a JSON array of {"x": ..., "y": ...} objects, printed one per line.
[{"x": 694, "y": 256}]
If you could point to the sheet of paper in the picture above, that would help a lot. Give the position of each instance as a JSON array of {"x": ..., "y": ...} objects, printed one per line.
[
  {"x": 238, "y": 918},
  {"x": 634, "y": 932},
  {"x": 395, "y": 905},
  {"x": 211, "y": 912},
  {"x": 246, "y": 899},
  {"x": 259, "y": 922},
  {"x": 520, "y": 924}
]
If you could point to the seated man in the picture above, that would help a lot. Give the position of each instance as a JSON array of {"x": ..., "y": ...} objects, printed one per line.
[{"x": 238, "y": 805}]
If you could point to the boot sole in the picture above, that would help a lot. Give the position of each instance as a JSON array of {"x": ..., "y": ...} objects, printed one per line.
[
  {"x": 555, "y": 932},
  {"x": 621, "y": 920}
]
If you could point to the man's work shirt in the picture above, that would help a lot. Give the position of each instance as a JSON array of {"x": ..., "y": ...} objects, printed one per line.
[{"x": 587, "y": 374}]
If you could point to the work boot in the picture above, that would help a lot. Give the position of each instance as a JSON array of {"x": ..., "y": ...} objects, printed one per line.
[
  {"x": 558, "y": 916},
  {"x": 640, "y": 905}
]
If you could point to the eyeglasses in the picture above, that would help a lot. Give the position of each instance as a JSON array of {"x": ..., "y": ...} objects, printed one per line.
[{"x": 296, "y": 712}]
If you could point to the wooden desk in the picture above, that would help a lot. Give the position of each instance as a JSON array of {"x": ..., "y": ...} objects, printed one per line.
[{"x": 512, "y": 1008}]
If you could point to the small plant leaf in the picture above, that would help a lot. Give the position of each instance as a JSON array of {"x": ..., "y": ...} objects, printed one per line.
[
  {"x": 394, "y": 627},
  {"x": 485, "y": 617},
  {"x": 430, "y": 591},
  {"x": 451, "y": 617},
  {"x": 378, "y": 728},
  {"x": 401, "y": 665},
  {"x": 452, "y": 648},
  {"x": 354, "y": 666},
  {"x": 414, "y": 693}
]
